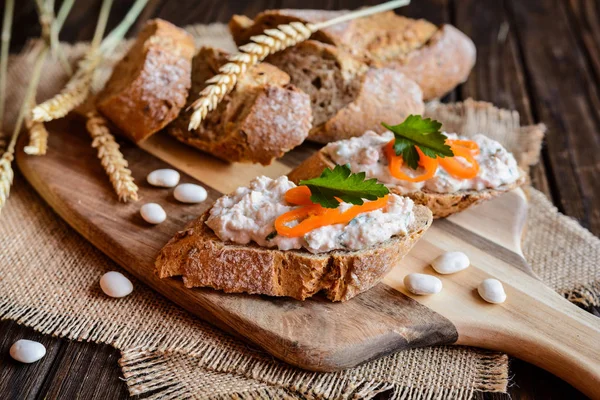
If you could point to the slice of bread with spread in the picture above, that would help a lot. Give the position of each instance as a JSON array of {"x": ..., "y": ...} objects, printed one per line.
[
  {"x": 261, "y": 119},
  {"x": 270, "y": 238},
  {"x": 149, "y": 86},
  {"x": 347, "y": 97},
  {"x": 437, "y": 58},
  {"x": 442, "y": 204},
  {"x": 203, "y": 260}
]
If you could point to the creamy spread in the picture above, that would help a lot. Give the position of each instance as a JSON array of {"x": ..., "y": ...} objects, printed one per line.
[
  {"x": 497, "y": 166},
  {"x": 248, "y": 215}
]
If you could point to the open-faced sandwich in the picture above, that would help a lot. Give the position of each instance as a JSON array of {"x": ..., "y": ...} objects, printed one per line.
[
  {"x": 338, "y": 233},
  {"x": 445, "y": 172}
]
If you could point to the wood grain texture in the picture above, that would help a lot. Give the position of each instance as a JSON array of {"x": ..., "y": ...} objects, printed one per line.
[{"x": 535, "y": 323}]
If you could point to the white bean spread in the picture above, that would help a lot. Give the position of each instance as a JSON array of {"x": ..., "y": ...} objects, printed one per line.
[
  {"x": 248, "y": 215},
  {"x": 497, "y": 166}
]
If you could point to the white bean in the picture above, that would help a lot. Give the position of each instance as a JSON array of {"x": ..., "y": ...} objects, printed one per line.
[
  {"x": 153, "y": 213},
  {"x": 451, "y": 262},
  {"x": 27, "y": 351},
  {"x": 115, "y": 284},
  {"x": 422, "y": 284},
  {"x": 492, "y": 291},
  {"x": 190, "y": 193},
  {"x": 163, "y": 178}
]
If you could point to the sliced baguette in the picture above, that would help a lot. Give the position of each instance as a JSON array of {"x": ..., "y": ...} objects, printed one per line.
[
  {"x": 149, "y": 86},
  {"x": 440, "y": 204},
  {"x": 261, "y": 119},
  {"x": 437, "y": 58},
  {"x": 203, "y": 260},
  {"x": 347, "y": 97}
]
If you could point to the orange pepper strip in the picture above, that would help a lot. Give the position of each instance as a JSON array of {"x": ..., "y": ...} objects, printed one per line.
[
  {"x": 294, "y": 215},
  {"x": 395, "y": 163},
  {"x": 469, "y": 144},
  {"x": 457, "y": 169},
  {"x": 300, "y": 195},
  {"x": 317, "y": 217}
]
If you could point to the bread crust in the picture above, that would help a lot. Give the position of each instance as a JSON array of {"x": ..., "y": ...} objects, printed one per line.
[
  {"x": 441, "y": 65},
  {"x": 384, "y": 93},
  {"x": 438, "y": 58},
  {"x": 363, "y": 97},
  {"x": 203, "y": 260},
  {"x": 149, "y": 86},
  {"x": 441, "y": 204},
  {"x": 261, "y": 119}
]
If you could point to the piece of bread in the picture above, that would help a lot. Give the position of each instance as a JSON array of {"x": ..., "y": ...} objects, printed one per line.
[
  {"x": 347, "y": 97},
  {"x": 440, "y": 204},
  {"x": 261, "y": 119},
  {"x": 437, "y": 58},
  {"x": 203, "y": 260},
  {"x": 149, "y": 86}
]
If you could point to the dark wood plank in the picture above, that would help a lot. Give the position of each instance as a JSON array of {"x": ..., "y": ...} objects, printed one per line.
[
  {"x": 86, "y": 371},
  {"x": 498, "y": 75},
  {"x": 24, "y": 381},
  {"x": 585, "y": 17},
  {"x": 566, "y": 98}
]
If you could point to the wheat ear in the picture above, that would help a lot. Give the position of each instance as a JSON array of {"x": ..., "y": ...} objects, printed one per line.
[
  {"x": 261, "y": 46},
  {"x": 6, "y": 177},
  {"x": 72, "y": 95},
  {"x": 38, "y": 137},
  {"x": 273, "y": 40},
  {"x": 111, "y": 158}
]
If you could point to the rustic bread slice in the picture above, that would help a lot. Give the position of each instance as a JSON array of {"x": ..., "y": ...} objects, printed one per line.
[
  {"x": 347, "y": 97},
  {"x": 149, "y": 86},
  {"x": 198, "y": 255},
  {"x": 437, "y": 58},
  {"x": 261, "y": 119},
  {"x": 440, "y": 204}
]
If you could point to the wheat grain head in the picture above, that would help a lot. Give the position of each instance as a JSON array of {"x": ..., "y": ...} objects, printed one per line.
[
  {"x": 111, "y": 158},
  {"x": 73, "y": 94},
  {"x": 38, "y": 138},
  {"x": 271, "y": 41},
  {"x": 6, "y": 177}
]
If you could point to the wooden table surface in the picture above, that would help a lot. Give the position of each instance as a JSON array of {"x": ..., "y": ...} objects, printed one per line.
[{"x": 539, "y": 57}]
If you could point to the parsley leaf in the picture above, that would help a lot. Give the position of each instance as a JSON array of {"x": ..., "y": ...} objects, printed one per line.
[
  {"x": 416, "y": 131},
  {"x": 271, "y": 236},
  {"x": 343, "y": 184}
]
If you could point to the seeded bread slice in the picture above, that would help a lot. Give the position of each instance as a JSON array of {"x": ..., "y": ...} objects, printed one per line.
[
  {"x": 203, "y": 260},
  {"x": 347, "y": 97},
  {"x": 437, "y": 58},
  {"x": 261, "y": 119},
  {"x": 150, "y": 84},
  {"x": 441, "y": 204}
]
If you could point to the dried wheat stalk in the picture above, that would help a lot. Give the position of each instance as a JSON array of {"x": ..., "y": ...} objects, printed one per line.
[
  {"x": 38, "y": 137},
  {"x": 72, "y": 95},
  {"x": 111, "y": 158},
  {"x": 6, "y": 177},
  {"x": 271, "y": 41},
  {"x": 78, "y": 87}
]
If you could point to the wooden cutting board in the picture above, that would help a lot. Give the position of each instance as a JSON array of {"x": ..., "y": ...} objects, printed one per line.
[{"x": 534, "y": 324}]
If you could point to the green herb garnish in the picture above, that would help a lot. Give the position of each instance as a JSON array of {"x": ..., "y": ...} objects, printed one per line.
[
  {"x": 271, "y": 235},
  {"x": 343, "y": 184},
  {"x": 416, "y": 131}
]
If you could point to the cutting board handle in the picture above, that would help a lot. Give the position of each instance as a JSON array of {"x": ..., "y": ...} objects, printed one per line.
[{"x": 549, "y": 332}]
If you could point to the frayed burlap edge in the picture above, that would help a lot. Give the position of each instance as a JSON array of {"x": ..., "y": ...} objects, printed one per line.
[
  {"x": 150, "y": 370},
  {"x": 585, "y": 296}
]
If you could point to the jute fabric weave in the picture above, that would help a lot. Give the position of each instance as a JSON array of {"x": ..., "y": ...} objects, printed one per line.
[{"x": 49, "y": 281}]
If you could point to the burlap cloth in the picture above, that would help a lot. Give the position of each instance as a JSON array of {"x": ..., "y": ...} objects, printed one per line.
[{"x": 49, "y": 281}]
